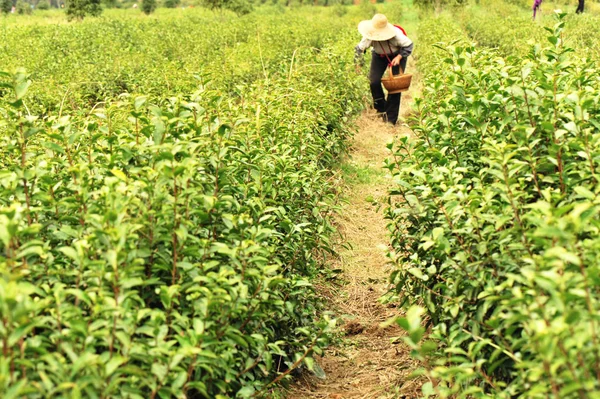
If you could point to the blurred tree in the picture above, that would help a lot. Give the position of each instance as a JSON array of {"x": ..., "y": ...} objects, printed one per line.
[
  {"x": 439, "y": 4},
  {"x": 43, "y": 5},
  {"x": 240, "y": 7},
  {"x": 6, "y": 6},
  {"x": 23, "y": 7},
  {"x": 78, "y": 9},
  {"x": 172, "y": 3},
  {"x": 148, "y": 6}
]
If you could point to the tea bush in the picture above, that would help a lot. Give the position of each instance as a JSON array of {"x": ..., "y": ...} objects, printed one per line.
[
  {"x": 23, "y": 7},
  {"x": 171, "y": 3},
  {"x": 487, "y": 26},
  {"x": 79, "y": 9},
  {"x": 494, "y": 216},
  {"x": 6, "y": 6},
  {"x": 43, "y": 5},
  {"x": 78, "y": 65},
  {"x": 164, "y": 245},
  {"x": 148, "y": 6}
]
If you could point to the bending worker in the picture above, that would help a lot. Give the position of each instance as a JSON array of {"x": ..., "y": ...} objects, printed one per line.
[{"x": 390, "y": 46}]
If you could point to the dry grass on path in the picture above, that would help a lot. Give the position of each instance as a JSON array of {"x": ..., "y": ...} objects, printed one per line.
[{"x": 367, "y": 364}]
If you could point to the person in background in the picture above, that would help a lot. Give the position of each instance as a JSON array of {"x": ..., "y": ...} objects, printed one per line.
[
  {"x": 537, "y": 4},
  {"x": 390, "y": 47}
]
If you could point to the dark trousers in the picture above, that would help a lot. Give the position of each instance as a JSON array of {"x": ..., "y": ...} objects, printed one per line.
[{"x": 391, "y": 106}]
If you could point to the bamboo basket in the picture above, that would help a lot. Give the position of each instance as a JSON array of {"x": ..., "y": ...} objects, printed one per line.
[{"x": 396, "y": 83}]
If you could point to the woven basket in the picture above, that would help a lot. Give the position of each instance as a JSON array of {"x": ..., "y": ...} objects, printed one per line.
[{"x": 396, "y": 83}]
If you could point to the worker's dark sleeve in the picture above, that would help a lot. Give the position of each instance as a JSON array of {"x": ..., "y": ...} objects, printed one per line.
[
  {"x": 358, "y": 56},
  {"x": 406, "y": 51}
]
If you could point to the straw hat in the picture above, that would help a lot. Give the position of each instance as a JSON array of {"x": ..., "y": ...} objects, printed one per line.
[{"x": 378, "y": 28}]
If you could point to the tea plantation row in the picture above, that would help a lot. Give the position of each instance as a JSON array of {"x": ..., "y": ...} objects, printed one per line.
[
  {"x": 495, "y": 214},
  {"x": 486, "y": 25},
  {"x": 159, "y": 233}
]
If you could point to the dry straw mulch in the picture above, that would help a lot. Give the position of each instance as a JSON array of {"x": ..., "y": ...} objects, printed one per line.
[{"x": 367, "y": 364}]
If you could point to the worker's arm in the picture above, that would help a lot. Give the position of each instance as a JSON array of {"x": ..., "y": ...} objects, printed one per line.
[
  {"x": 406, "y": 45},
  {"x": 360, "y": 50}
]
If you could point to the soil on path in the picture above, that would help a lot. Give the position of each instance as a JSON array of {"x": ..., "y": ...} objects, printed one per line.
[{"x": 367, "y": 364}]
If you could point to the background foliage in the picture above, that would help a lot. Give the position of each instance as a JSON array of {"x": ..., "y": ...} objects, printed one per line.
[
  {"x": 78, "y": 9},
  {"x": 148, "y": 6}
]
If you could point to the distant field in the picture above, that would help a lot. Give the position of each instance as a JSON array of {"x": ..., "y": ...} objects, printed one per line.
[{"x": 126, "y": 51}]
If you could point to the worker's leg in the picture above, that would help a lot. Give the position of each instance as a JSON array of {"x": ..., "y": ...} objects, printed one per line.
[
  {"x": 378, "y": 66},
  {"x": 392, "y": 106}
]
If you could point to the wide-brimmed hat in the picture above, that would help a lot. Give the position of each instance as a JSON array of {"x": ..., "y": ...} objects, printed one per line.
[{"x": 378, "y": 28}]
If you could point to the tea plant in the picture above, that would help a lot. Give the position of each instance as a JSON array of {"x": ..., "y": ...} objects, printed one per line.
[
  {"x": 6, "y": 6},
  {"x": 486, "y": 25},
  {"x": 148, "y": 6},
  {"x": 79, "y": 9},
  {"x": 164, "y": 245},
  {"x": 496, "y": 227}
]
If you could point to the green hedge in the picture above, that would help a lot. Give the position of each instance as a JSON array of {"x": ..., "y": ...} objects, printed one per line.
[
  {"x": 494, "y": 215},
  {"x": 164, "y": 245}
]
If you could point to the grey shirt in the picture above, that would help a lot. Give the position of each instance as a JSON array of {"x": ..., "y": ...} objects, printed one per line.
[{"x": 399, "y": 44}]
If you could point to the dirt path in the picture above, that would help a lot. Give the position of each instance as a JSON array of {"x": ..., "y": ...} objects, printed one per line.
[{"x": 367, "y": 364}]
